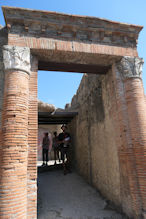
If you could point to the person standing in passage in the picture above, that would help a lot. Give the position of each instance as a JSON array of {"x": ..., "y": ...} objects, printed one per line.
[
  {"x": 64, "y": 144},
  {"x": 55, "y": 147},
  {"x": 45, "y": 148}
]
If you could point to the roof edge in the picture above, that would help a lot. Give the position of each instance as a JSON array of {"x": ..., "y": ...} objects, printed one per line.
[{"x": 4, "y": 8}]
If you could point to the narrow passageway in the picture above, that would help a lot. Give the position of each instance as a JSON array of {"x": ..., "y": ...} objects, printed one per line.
[{"x": 70, "y": 197}]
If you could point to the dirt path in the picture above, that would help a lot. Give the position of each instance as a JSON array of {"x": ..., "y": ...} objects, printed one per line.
[{"x": 70, "y": 197}]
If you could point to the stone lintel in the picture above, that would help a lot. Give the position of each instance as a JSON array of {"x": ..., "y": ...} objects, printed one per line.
[
  {"x": 70, "y": 27},
  {"x": 130, "y": 67},
  {"x": 16, "y": 58}
]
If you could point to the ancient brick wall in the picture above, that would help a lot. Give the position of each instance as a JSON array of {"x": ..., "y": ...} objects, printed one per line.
[
  {"x": 32, "y": 142},
  {"x": 95, "y": 133},
  {"x": 1, "y": 87},
  {"x": 108, "y": 134},
  {"x": 131, "y": 109},
  {"x": 3, "y": 41},
  {"x": 13, "y": 172}
]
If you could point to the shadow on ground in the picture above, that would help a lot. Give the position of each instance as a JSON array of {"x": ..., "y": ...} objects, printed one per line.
[{"x": 69, "y": 197}]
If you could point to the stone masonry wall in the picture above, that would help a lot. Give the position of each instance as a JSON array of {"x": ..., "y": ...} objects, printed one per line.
[{"x": 95, "y": 134}]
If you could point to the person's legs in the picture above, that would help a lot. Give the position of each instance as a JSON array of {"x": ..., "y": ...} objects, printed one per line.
[
  {"x": 68, "y": 160},
  {"x": 63, "y": 159},
  {"x": 55, "y": 155},
  {"x": 67, "y": 167},
  {"x": 62, "y": 155},
  {"x": 43, "y": 155},
  {"x": 46, "y": 156},
  {"x": 59, "y": 154}
]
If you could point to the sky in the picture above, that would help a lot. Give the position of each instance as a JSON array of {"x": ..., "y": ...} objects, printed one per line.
[{"x": 57, "y": 87}]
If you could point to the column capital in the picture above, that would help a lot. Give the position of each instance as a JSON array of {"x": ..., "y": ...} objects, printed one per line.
[
  {"x": 16, "y": 58},
  {"x": 130, "y": 67}
]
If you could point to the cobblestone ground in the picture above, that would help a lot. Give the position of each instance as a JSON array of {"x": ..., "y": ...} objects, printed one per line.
[{"x": 70, "y": 197}]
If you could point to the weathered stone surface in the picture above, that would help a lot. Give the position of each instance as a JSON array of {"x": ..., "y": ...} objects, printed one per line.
[
  {"x": 130, "y": 67},
  {"x": 14, "y": 147},
  {"x": 94, "y": 135},
  {"x": 45, "y": 107},
  {"x": 132, "y": 107},
  {"x": 16, "y": 58},
  {"x": 70, "y": 27}
]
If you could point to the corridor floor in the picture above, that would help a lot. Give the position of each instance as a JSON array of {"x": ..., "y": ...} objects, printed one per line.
[{"x": 70, "y": 197}]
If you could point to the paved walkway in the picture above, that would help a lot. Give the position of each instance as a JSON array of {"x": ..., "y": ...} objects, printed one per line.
[{"x": 69, "y": 197}]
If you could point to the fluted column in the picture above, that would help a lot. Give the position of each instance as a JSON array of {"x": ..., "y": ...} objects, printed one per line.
[
  {"x": 132, "y": 119},
  {"x": 13, "y": 171}
]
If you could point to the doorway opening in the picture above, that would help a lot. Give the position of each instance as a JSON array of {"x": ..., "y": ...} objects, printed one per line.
[
  {"x": 55, "y": 92},
  {"x": 83, "y": 117}
]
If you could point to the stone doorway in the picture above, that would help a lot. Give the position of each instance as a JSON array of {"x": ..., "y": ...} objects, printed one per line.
[{"x": 40, "y": 40}]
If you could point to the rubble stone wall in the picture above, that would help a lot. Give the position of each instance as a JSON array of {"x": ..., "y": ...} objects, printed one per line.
[{"x": 95, "y": 134}]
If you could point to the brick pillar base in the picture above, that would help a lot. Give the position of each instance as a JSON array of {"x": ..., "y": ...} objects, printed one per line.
[{"x": 13, "y": 171}]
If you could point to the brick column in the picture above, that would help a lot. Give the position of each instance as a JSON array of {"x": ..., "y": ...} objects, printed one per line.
[
  {"x": 132, "y": 120},
  {"x": 13, "y": 166}
]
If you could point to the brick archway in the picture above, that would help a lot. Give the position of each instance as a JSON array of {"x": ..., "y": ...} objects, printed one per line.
[{"x": 40, "y": 40}]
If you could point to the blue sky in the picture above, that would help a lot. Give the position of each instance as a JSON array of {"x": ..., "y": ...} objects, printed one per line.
[{"x": 57, "y": 87}]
